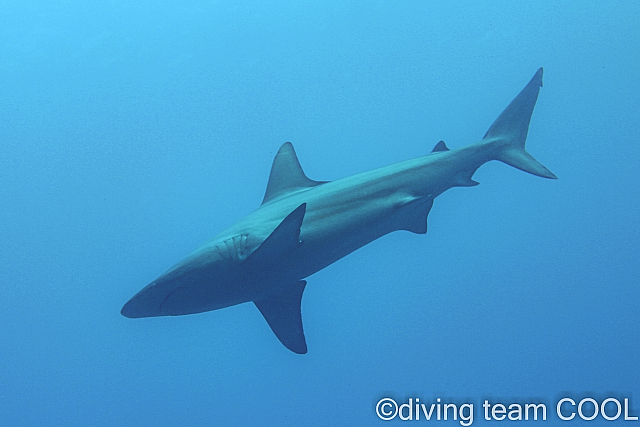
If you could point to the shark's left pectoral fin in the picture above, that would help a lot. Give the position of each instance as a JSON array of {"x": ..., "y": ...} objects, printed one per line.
[
  {"x": 282, "y": 313},
  {"x": 282, "y": 310}
]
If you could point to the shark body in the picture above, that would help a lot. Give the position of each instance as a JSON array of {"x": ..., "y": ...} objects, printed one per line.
[{"x": 302, "y": 226}]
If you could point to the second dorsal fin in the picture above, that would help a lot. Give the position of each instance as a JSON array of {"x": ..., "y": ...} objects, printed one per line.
[
  {"x": 440, "y": 146},
  {"x": 286, "y": 174}
]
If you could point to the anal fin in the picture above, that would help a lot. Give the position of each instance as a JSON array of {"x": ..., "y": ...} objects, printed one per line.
[{"x": 282, "y": 313}]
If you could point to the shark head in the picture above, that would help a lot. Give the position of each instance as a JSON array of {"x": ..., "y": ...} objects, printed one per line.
[{"x": 203, "y": 282}]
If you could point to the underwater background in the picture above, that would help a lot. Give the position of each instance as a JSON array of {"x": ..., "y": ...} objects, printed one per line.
[{"x": 132, "y": 132}]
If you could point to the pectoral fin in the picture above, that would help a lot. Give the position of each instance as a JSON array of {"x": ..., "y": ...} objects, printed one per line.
[
  {"x": 285, "y": 238},
  {"x": 282, "y": 313}
]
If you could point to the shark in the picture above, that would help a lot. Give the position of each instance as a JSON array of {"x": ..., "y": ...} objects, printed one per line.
[{"x": 303, "y": 226}]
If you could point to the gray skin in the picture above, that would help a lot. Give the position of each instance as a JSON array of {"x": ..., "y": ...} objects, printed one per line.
[{"x": 303, "y": 226}]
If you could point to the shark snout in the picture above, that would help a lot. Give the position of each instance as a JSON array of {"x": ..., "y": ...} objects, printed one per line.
[
  {"x": 135, "y": 308},
  {"x": 145, "y": 303},
  {"x": 132, "y": 310}
]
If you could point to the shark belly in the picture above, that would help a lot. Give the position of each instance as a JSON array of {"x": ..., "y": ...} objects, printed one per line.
[{"x": 327, "y": 239}]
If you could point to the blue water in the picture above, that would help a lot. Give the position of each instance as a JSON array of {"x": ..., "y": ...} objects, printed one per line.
[{"x": 131, "y": 132}]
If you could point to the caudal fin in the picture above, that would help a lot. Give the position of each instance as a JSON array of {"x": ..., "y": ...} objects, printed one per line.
[{"x": 509, "y": 132}]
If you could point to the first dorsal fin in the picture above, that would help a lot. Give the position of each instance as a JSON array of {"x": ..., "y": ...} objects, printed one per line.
[
  {"x": 286, "y": 174},
  {"x": 440, "y": 146}
]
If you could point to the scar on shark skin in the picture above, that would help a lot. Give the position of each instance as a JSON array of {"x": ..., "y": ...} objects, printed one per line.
[{"x": 302, "y": 226}]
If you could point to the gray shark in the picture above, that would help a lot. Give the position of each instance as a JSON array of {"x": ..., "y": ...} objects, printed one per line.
[{"x": 302, "y": 226}]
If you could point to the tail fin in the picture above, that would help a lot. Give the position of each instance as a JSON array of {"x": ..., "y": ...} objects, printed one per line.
[{"x": 509, "y": 131}]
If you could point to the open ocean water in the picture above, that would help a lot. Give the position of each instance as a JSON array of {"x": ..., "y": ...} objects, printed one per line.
[{"x": 132, "y": 132}]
